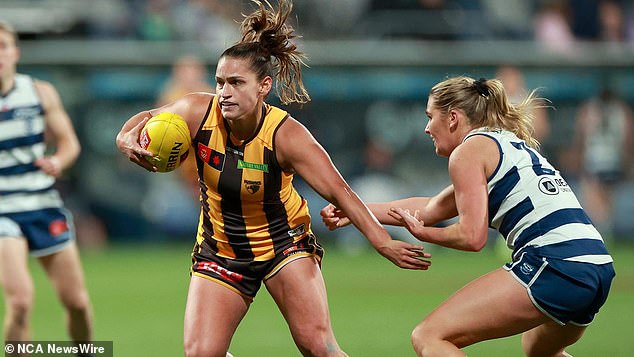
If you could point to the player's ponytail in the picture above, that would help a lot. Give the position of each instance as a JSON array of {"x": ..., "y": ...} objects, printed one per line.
[
  {"x": 485, "y": 103},
  {"x": 266, "y": 43}
]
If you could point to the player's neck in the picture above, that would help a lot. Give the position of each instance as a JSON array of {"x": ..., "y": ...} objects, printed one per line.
[
  {"x": 6, "y": 84},
  {"x": 245, "y": 129}
]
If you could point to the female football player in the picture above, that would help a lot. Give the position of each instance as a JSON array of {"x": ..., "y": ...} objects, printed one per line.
[
  {"x": 33, "y": 219},
  {"x": 254, "y": 226},
  {"x": 561, "y": 271}
]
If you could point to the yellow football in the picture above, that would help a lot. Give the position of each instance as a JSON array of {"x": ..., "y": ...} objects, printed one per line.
[{"x": 167, "y": 137}]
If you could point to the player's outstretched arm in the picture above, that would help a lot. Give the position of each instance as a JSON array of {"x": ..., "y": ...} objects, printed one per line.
[
  {"x": 297, "y": 151},
  {"x": 428, "y": 209}
]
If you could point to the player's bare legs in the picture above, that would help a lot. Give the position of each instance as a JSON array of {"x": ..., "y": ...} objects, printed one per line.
[
  {"x": 550, "y": 339},
  {"x": 212, "y": 315},
  {"x": 18, "y": 288},
  {"x": 300, "y": 293},
  {"x": 468, "y": 316},
  {"x": 64, "y": 270}
]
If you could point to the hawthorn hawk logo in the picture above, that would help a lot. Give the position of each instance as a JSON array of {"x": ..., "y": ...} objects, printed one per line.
[{"x": 252, "y": 186}]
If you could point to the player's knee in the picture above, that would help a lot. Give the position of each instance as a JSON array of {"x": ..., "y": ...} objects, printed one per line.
[
  {"x": 77, "y": 303},
  {"x": 200, "y": 349},
  {"x": 19, "y": 307},
  {"x": 418, "y": 338},
  {"x": 527, "y": 343},
  {"x": 423, "y": 336},
  {"x": 316, "y": 340}
]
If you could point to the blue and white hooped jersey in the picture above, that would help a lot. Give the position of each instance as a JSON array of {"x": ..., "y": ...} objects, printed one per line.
[
  {"x": 23, "y": 186},
  {"x": 533, "y": 207}
]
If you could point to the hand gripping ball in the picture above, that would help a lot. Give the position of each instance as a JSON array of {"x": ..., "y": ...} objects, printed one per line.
[{"x": 167, "y": 137}]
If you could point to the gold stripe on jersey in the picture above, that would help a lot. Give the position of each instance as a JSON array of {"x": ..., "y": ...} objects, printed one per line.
[{"x": 250, "y": 207}]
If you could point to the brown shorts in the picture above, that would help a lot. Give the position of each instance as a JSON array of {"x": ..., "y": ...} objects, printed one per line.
[{"x": 246, "y": 277}]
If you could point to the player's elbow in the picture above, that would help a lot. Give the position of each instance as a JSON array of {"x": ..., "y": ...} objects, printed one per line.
[
  {"x": 475, "y": 240},
  {"x": 475, "y": 245},
  {"x": 74, "y": 149}
]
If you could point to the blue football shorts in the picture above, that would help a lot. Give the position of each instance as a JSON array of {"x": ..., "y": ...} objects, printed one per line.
[
  {"x": 46, "y": 231},
  {"x": 566, "y": 291}
]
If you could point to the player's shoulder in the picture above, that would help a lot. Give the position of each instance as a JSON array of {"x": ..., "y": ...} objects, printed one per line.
[
  {"x": 478, "y": 143},
  {"x": 290, "y": 126},
  {"x": 198, "y": 98},
  {"x": 476, "y": 150},
  {"x": 47, "y": 93},
  {"x": 44, "y": 87}
]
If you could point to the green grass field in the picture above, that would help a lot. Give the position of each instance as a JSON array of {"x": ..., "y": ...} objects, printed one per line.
[{"x": 139, "y": 292}]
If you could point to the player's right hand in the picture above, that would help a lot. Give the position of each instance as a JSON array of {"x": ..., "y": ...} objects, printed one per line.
[
  {"x": 128, "y": 144},
  {"x": 405, "y": 255},
  {"x": 333, "y": 217}
]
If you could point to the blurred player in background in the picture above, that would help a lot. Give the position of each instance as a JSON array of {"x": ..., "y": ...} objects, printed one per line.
[
  {"x": 603, "y": 153},
  {"x": 254, "y": 226},
  {"x": 189, "y": 75},
  {"x": 512, "y": 79},
  {"x": 561, "y": 270},
  {"x": 32, "y": 216},
  {"x": 178, "y": 218}
]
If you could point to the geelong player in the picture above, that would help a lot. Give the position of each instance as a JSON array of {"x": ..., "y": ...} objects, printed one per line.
[
  {"x": 32, "y": 217},
  {"x": 561, "y": 271},
  {"x": 254, "y": 226}
]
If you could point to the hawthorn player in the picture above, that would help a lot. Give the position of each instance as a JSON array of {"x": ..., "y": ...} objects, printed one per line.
[{"x": 254, "y": 226}]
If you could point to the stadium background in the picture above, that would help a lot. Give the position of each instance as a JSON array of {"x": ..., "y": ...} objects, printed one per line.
[{"x": 371, "y": 65}]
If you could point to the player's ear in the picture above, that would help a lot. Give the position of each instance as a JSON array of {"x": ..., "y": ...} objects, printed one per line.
[
  {"x": 454, "y": 119},
  {"x": 265, "y": 86}
]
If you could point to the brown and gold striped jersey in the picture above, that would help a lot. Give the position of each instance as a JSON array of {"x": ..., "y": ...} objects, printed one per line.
[{"x": 249, "y": 205}]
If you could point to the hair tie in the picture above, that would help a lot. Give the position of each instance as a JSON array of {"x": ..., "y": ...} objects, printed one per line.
[
  {"x": 267, "y": 38},
  {"x": 481, "y": 87}
]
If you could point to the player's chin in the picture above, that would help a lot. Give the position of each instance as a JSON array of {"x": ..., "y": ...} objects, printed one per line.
[{"x": 229, "y": 112}]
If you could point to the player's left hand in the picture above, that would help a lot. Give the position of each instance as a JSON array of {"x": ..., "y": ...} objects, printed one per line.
[
  {"x": 50, "y": 165},
  {"x": 410, "y": 221},
  {"x": 333, "y": 217}
]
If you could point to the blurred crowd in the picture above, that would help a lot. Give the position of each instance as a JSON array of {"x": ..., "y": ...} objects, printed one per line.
[{"x": 557, "y": 23}]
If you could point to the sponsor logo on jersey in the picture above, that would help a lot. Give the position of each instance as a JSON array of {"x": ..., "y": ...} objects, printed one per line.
[
  {"x": 217, "y": 269},
  {"x": 299, "y": 230},
  {"x": 212, "y": 157},
  {"x": 548, "y": 186},
  {"x": 27, "y": 112},
  {"x": 234, "y": 151},
  {"x": 252, "y": 186},
  {"x": 253, "y": 166}
]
